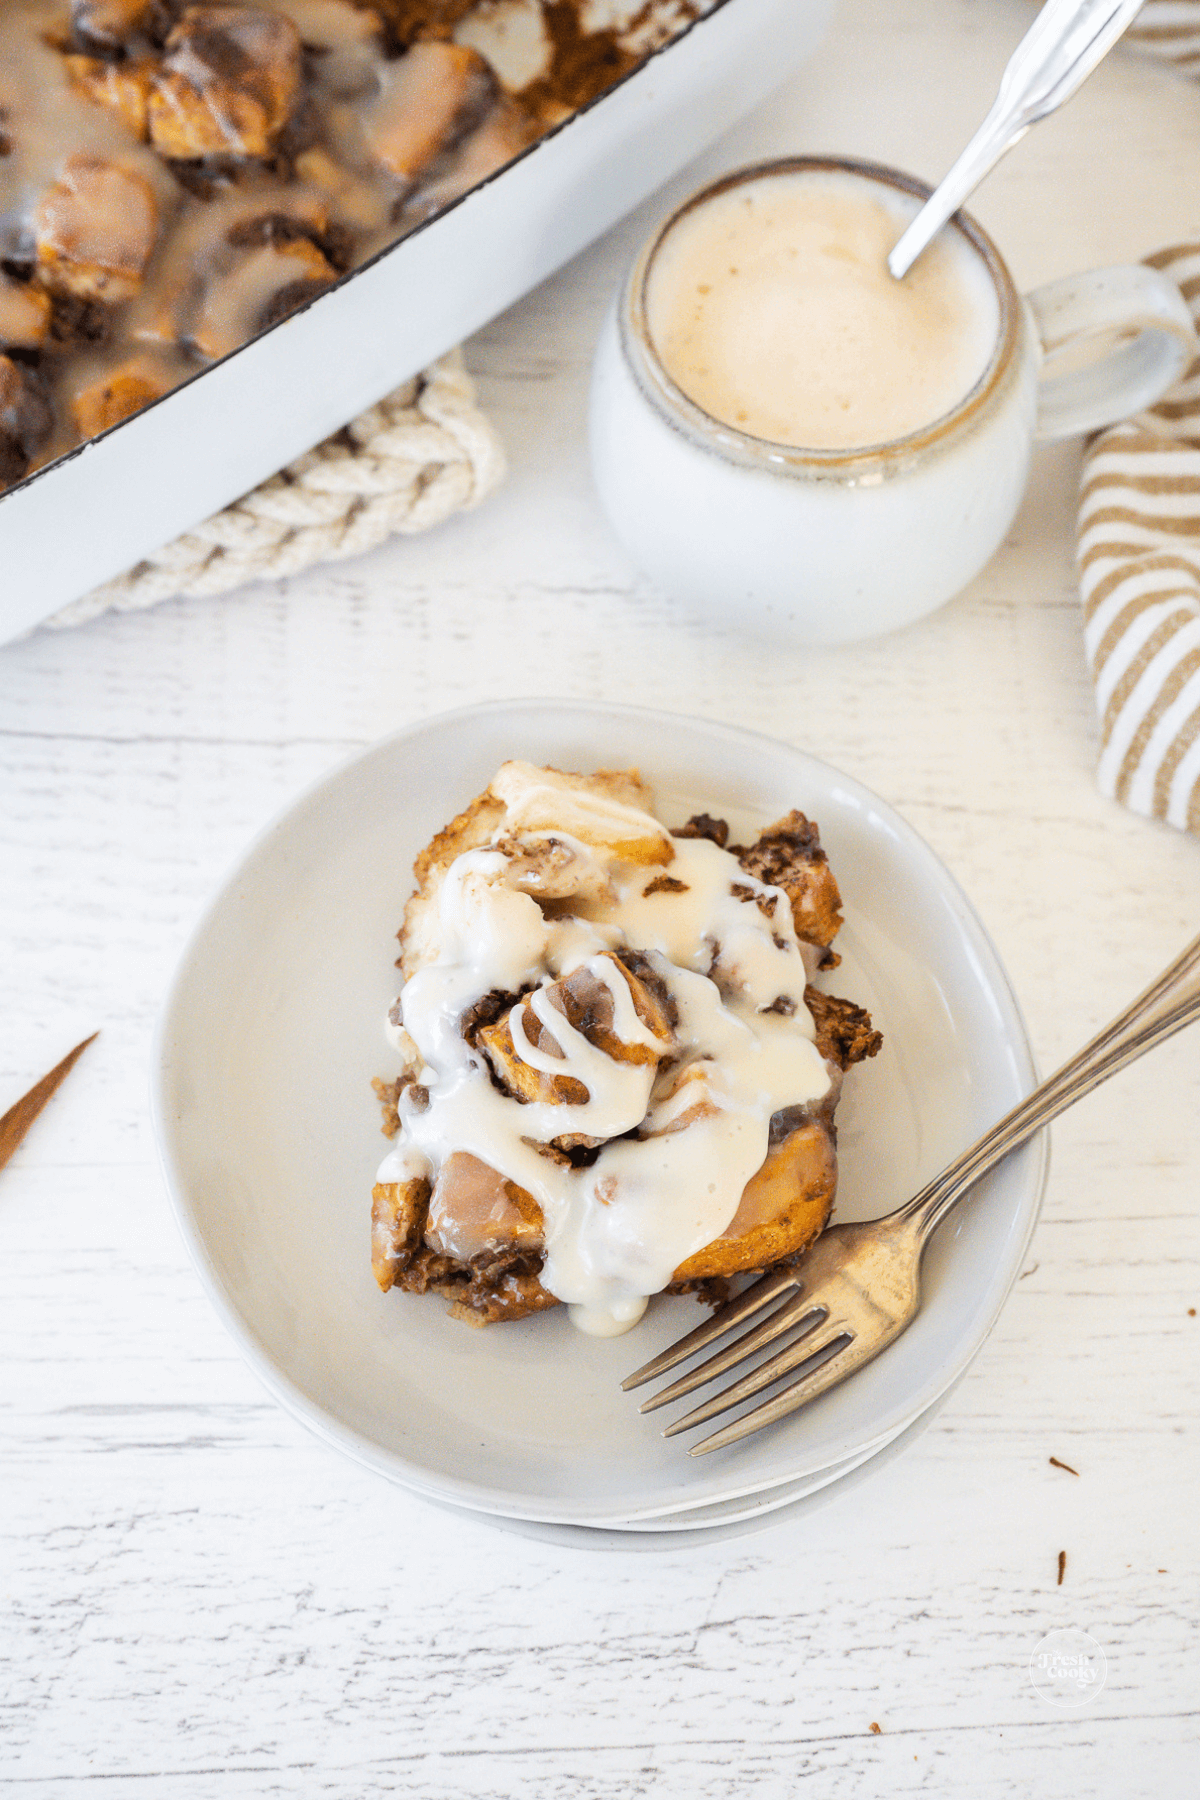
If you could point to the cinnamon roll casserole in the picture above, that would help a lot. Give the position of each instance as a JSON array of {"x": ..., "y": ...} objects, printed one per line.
[
  {"x": 176, "y": 177},
  {"x": 618, "y": 1075}
]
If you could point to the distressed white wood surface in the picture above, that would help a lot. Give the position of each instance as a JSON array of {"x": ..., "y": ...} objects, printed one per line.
[{"x": 201, "y": 1602}]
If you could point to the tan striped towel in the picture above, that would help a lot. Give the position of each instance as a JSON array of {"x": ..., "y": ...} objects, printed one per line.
[
  {"x": 1139, "y": 577},
  {"x": 1169, "y": 29},
  {"x": 1139, "y": 546}
]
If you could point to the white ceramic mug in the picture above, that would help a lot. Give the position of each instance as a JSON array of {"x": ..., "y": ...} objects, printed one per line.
[{"x": 826, "y": 546}]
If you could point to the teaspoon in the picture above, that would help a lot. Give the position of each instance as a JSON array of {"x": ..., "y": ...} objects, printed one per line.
[{"x": 1057, "y": 54}]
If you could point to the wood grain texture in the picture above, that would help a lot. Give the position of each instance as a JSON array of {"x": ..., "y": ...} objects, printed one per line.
[{"x": 200, "y": 1601}]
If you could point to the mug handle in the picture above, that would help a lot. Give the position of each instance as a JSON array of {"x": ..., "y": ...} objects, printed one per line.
[{"x": 1145, "y": 341}]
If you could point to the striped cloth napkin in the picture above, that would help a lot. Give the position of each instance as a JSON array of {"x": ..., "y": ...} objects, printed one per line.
[{"x": 1139, "y": 546}]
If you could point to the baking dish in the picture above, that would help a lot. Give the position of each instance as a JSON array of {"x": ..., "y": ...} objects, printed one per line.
[{"x": 96, "y": 510}]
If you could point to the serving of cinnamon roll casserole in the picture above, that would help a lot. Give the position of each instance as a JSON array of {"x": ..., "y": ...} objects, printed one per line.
[{"x": 619, "y": 1075}]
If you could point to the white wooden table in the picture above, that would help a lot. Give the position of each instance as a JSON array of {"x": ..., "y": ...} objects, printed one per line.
[{"x": 200, "y": 1601}]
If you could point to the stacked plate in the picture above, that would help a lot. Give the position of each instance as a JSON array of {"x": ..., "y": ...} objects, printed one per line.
[{"x": 265, "y": 1116}]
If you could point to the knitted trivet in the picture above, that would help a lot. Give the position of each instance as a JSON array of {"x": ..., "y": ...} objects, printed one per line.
[{"x": 424, "y": 452}]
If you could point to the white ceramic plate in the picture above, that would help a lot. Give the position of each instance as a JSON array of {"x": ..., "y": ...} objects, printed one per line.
[
  {"x": 717, "y": 1525},
  {"x": 723, "y": 1516},
  {"x": 269, "y": 1135}
]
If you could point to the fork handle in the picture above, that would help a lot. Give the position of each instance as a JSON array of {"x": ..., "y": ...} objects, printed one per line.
[{"x": 1165, "y": 1007}]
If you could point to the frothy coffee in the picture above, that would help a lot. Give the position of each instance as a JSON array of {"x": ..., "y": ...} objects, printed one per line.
[{"x": 770, "y": 305}]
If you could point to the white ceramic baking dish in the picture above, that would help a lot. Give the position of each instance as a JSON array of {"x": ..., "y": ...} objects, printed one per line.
[{"x": 94, "y": 512}]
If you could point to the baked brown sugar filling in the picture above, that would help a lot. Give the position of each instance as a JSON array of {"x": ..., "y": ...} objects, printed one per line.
[
  {"x": 175, "y": 178},
  {"x": 460, "y": 1218}
]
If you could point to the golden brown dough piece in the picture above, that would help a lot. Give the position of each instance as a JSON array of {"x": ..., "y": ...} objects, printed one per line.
[
  {"x": 429, "y": 99},
  {"x": 520, "y": 1078},
  {"x": 497, "y": 1281},
  {"x": 784, "y": 1208},
  {"x": 586, "y": 1002},
  {"x": 264, "y": 285},
  {"x": 203, "y": 279},
  {"x": 398, "y": 1213},
  {"x": 116, "y": 395},
  {"x": 490, "y": 1213},
  {"x": 227, "y": 85},
  {"x": 95, "y": 228},
  {"x": 504, "y": 133},
  {"x": 122, "y": 88},
  {"x": 24, "y": 314},
  {"x": 356, "y": 201}
]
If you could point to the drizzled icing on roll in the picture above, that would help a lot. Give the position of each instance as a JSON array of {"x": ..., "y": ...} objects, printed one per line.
[{"x": 606, "y": 1018}]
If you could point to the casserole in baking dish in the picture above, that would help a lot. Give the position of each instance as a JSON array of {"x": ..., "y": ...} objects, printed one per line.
[{"x": 207, "y": 417}]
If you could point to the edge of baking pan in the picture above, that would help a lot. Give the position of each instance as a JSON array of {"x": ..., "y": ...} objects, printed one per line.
[{"x": 95, "y": 511}]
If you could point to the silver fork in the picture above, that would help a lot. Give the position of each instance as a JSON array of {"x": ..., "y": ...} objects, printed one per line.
[{"x": 859, "y": 1286}]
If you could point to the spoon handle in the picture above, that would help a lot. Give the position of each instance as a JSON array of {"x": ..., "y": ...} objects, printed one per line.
[{"x": 1057, "y": 54}]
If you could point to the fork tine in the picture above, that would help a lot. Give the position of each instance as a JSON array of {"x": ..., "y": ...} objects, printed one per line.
[
  {"x": 743, "y": 1306},
  {"x": 794, "y": 1312},
  {"x": 802, "y": 1354},
  {"x": 837, "y": 1367}
]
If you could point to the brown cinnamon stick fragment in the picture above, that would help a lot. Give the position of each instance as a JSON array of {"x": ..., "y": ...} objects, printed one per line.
[
  {"x": 1062, "y": 1566},
  {"x": 19, "y": 1118}
]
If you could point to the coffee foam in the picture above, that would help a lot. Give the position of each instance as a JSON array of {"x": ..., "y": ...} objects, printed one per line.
[{"x": 770, "y": 305}]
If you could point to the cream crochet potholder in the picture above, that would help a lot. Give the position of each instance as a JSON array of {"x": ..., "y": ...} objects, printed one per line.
[{"x": 421, "y": 454}]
